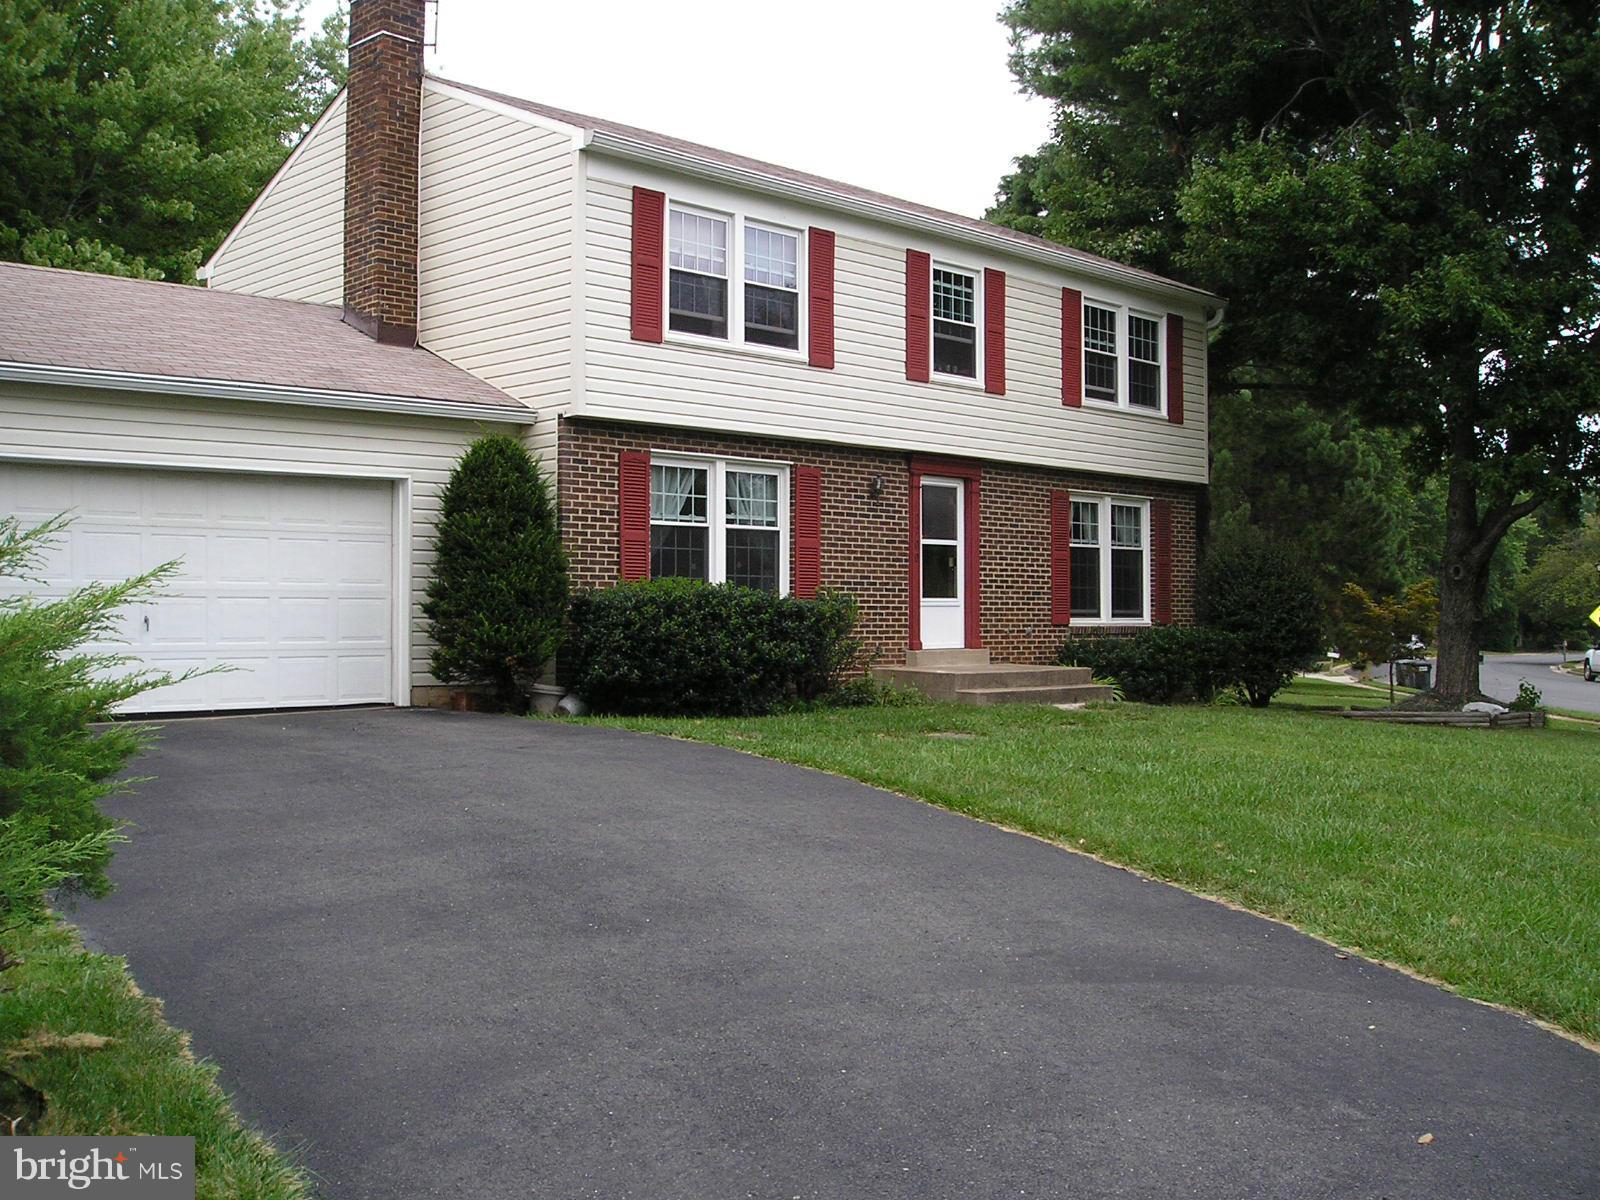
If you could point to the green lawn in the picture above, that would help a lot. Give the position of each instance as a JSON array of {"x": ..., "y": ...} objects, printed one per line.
[
  {"x": 1469, "y": 855},
  {"x": 74, "y": 1027}
]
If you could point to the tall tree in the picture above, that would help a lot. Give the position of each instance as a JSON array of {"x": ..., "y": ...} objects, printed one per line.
[
  {"x": 1399, "y": 199},
  {"x": 134, "y": 133}
]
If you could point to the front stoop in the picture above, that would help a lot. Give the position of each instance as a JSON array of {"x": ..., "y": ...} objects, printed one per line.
[{"x": 968, "y": 677}]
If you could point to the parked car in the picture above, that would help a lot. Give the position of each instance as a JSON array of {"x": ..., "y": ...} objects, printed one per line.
[{"x": 1591, "y": 664}]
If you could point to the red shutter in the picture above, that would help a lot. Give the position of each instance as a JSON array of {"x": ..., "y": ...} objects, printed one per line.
[
  {"x": 994, "y": 332},
  {"x": 919, "y": 313},
  {"x": 633, "y": 508},
  {"x": 649, "y": 241},
  {"x": 1175, "y": 368},
  {"x": 1072, "y": 347},
  {"x": 807, "y": 531},
  {"x": 1161, "y": 561},
  {"x": 819, "y": 281},
  {"x": 1060, "y": 558}
]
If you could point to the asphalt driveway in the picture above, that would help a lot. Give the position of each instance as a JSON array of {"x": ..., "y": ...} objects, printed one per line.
[{"x": 460, "y": 955}]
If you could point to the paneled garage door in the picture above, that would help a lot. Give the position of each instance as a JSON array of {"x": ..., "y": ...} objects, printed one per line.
[{"x": 288, "y": 580}]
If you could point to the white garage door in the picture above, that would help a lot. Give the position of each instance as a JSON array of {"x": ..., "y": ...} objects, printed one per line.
[{"x": 288, "y": 580}]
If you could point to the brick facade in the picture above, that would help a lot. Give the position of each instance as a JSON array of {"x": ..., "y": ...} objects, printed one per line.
[
  {"x": 383, "y": 129},
  {"x": 866, "y": 529}
]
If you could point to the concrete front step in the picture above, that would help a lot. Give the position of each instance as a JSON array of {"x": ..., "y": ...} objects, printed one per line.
[
  {"x": 978, "y": 684},
  {"x": 947, "y": 658},
  {"x": 1067, "y": 694}
]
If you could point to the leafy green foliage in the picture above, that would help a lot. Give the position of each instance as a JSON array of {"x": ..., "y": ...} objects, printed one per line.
[
  {"x": 1562, "y": 587},
  {"x": 1528, "y": 698},
  {"x": 499, "y": 588},
  {"x": 1254, "y": 589},
  {"x": 679, "y": 646},
  {"x": 32, "y": 862},
  {"x": 1373, "y": 629},
  {"x": 136, "y": 132},
  {"x": 1162, "y": 664},
  {"x": 1396, "y": 197},
  {"x": 55, "y": 767}
]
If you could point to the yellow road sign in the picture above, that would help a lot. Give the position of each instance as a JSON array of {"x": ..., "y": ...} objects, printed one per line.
[{"x": 1595, "y": 616}]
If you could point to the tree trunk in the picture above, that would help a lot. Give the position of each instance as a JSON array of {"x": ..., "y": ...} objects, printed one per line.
[{"x": 1470, "y": 541}]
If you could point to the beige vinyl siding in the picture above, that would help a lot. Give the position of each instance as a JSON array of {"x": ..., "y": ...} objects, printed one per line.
[
  {"x": 866, "y": 399},
  {"x": 164, "y": 431},
  {"x": 290, "y": 245},
  {"x": 496, "y": 248}
]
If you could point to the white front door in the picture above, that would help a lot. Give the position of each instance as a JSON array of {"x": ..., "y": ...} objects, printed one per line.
[
  {"x": 943, "y": 562},
  {"x": 288, "y": 580}
]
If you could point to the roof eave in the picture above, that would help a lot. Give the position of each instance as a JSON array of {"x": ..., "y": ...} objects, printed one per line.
[
  {"x": 637, "y": 150},
  {"x": 232, "y": 389}
]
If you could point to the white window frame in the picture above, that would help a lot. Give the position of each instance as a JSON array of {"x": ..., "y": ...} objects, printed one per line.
[
  {"x": 735, "y": 340},
  {"x": 1105, "y": 502},
  {"x": 975, "y": 380},
  {"x": 1124, "y": 327},
  {"x": 716, "y": 506}
]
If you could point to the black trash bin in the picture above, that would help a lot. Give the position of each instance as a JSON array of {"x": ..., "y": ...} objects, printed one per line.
[{"x": 1414, "y": 673}]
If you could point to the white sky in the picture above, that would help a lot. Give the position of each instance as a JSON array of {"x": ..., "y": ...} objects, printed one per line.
[{"x": 911, "y": 97}]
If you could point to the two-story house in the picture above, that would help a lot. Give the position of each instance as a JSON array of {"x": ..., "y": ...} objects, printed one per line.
[{"x": 732, "y": 371}]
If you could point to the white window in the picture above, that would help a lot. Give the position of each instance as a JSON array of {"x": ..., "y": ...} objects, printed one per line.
[
  {"x": 955, "y": 322},
  {"x": 697, "y": 258},
  {"x": 1100, "y": 353},
  {"x": 720, "y": 521},
  {"x": 771, "y": 287},
  {"x": 1122, "y": 357},
  {"x": 733, "y": 279},
  {"x": 1110, "y": 559},
  {"x": 1144, "y": 361}
]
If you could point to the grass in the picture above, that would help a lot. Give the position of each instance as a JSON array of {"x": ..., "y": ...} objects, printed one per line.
[
  {"x": 74, "y": 1027},
  {"x": 1470, "y": 856}
]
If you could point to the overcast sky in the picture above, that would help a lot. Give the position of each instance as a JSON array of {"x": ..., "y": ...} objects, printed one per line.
[{"x": 911, "y": 97}]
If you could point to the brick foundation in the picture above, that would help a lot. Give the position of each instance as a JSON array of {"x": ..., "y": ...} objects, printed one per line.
[{"x": 866, "y": 528}]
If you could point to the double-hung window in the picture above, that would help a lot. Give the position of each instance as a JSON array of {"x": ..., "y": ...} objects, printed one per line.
[
  {"x": 1122, "y": 357},
  {"x": 720, "y": 521},
  {"x": 1100, "y": 353},
  {"x": 771, "y": 286},
  {"x": 697, "y": 257},
  {"x": 732, "y": 279},
  {"x": 1110, "y": 559},
  {"x": 955, "y": 323}
]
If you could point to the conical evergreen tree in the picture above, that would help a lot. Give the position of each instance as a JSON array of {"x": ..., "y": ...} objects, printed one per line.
[{"x": 498, "y": 595}]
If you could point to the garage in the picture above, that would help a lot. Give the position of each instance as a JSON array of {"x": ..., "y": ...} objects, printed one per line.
[{"x": 288, "y": 582}]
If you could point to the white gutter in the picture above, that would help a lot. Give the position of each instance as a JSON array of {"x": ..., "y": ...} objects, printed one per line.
[
  {"x": 693, "y": 164},
  {"x": 264, "y": 393}
]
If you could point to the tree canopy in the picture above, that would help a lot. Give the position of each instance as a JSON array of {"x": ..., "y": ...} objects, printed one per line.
[
  {"x": 134, "y": 133},
  {"x": 1396, "y": 197}
]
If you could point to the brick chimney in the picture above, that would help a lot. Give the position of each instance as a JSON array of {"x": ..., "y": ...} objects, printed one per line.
[{"x": 383, "y": 127}]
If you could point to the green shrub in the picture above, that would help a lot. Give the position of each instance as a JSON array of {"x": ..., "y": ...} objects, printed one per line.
[
  {"x": 55, "y": 767},
  {"x": 499, "y": 589},
  {"x": 681, "y": 647},
  {"x": 1255, "y": 589},
  {"x": 1161, "y": 664},
  {"x": 1529, "y": 698}
]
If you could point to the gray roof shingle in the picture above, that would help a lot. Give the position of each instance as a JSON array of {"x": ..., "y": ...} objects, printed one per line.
[{"x": 90, "y": 322}]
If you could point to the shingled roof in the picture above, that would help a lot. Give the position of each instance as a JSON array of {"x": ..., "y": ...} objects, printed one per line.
[
  {"x": 1024, "y": 242},
  {"x": 79, "y": 321}
]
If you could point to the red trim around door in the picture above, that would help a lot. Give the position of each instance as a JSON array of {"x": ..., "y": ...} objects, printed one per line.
[{"x": 972, "y": 475}]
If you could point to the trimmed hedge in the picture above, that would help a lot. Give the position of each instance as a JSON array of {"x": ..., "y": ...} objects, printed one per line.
[
  {"x": 1162, "y": 664},
  {"x": 681, "y": 647}
]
